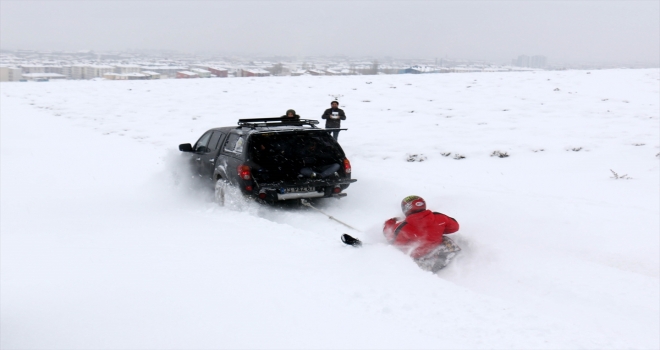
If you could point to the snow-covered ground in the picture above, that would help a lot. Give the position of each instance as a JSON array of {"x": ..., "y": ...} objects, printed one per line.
[{"x": 102, "y": 248}]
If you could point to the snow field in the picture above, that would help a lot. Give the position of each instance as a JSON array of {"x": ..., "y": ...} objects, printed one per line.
[{"x": 101, "y": 248}]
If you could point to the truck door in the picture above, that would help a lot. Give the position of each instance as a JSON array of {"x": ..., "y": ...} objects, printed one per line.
[
  {"x": 231, "y": 157},
  {"x": 208, "y": 159},
  {"x": 200, "y": 148}
]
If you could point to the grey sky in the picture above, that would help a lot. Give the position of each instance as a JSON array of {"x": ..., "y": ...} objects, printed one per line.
[{"x": 602, "y": 31}]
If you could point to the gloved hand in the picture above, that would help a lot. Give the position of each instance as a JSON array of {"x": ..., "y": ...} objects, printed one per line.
[
  {"x": 390, "y": 224},
  {"x": 391, "y": 221},
  {"x": 388, "y": 228}
]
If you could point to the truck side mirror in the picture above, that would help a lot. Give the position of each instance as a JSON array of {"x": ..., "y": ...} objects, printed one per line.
[{"x": 185, "y": 147}]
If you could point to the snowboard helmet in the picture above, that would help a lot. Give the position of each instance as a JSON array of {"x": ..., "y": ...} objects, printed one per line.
[{"x": 413, "y": 204}]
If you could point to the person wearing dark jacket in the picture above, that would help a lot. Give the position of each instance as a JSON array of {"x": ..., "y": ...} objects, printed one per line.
[
  {"x": 333, "y": 117},
  {"x": 290, "y": 114},
  {"x": 422, "y": 234}
]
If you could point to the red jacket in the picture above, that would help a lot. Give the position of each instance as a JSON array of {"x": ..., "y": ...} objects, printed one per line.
[{"x": 420, "y": 232}]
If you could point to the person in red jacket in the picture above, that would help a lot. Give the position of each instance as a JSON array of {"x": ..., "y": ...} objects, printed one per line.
[{"x": 421, "y": 234}]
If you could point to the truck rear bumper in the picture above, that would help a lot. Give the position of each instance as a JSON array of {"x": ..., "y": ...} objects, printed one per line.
[
  {"x": 307, "y": 182},
  {"x": 297, "y": 195}
]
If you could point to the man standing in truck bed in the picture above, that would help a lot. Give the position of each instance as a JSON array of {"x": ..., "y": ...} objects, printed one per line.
[{"x": 333, "y": 117}]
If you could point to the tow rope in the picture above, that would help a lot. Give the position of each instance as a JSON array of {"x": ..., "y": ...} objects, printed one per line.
[{"x": 308, "y": 204}]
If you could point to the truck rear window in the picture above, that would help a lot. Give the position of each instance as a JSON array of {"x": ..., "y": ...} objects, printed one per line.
[{"x": 294, "y": 148}]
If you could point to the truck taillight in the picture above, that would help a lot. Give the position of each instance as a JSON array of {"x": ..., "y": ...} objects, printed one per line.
[
  {"x": 244, "y": 172},
  {"x": 347, "y": 166}
]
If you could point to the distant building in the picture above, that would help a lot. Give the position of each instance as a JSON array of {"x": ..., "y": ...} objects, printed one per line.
[
  {"x": 277, "y": 69},
  {"x": 203, "y": 73},
  {"x": 77, "y": 71},
  {"x": 219, "y": 72},
  {"x": 114, "y": 76},
  {"x": 96, "y": 71},
  {"x": 316, "y": 72},
  {"x": 165, "y": 71},
  {"x": 387, "y": 69},
  {"x": 43, "y": 76},
  {"x": 84, "y": 71},
  {"x": 420, "y": 70},
  {"x": 152, "y": 75},
  {"x": 538, "y": 61},
  {"x": 127, "y": 76},
  {"x": 66, "y": 70},
  {"x": 55, "y": 69},
  {"x": 412, "y": 70},
  {"x": 186, "y": 75},
  {"x": 495, "y": 69},
  {"x": 254, "y": 72},
  {"x": 137, "y": 76},
  {"x": 8, "y": 73},
  {"x": 522, "y": 61},
  {"x": 4, "y": 73},
  {"x": 465, "y": 69},
  {"x": 363, "y": 69},
  {"x": 127, "y": 68},
  {"x": 32, "y": 68}
]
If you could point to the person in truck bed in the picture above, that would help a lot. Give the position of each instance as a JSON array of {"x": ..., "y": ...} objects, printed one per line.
[
  {"x": 317, "y": 164},
  {"x": 291, "y": 115},
  {"x": 422, "y": 234}
]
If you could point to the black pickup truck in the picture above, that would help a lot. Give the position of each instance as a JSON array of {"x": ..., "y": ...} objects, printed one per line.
[{"x": 272, "y": 159}]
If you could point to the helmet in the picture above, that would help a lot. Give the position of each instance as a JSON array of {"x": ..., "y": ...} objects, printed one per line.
[{"x": 413, "y": 204}]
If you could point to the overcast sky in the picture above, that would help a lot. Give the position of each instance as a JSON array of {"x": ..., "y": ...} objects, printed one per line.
[{"x": 564, "y": 31}]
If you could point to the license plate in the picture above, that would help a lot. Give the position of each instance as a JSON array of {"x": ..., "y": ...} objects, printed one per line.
[{"x": 300, "y": 189}]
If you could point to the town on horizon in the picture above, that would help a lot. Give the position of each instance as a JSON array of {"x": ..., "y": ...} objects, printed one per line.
[{"x": 34, "y": 65}]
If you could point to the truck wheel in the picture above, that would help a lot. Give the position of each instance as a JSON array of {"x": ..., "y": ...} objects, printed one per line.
[{"x": 220, "y": 191}]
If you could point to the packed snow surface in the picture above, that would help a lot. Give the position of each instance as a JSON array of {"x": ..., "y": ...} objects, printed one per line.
[{"x": 107, "y": 242}]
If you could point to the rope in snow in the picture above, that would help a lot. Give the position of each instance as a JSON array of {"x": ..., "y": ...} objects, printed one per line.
[{"x": 308, "y": 204}]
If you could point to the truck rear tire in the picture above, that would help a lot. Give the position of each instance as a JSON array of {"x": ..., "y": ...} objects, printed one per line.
[{"x": 221, "y": 191}]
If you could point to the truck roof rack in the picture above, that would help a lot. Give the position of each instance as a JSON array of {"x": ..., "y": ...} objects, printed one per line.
[{"x": 267, "y": 122}]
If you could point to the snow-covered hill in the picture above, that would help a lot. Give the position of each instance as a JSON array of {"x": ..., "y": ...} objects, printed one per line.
[{"x": 102, "y": 248}]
